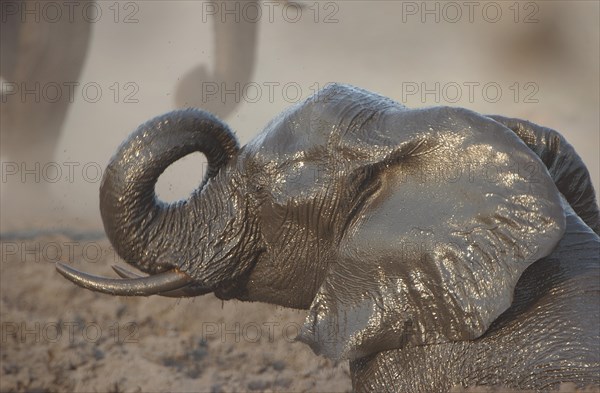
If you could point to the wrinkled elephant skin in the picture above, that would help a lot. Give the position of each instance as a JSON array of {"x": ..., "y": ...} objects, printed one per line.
[{"x": 431, "y": 247}]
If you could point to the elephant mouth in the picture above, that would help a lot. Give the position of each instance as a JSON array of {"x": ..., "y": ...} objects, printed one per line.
[{"x": 172, "y": 283}]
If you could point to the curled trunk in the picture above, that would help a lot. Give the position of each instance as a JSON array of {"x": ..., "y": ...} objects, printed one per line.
[{"x": 147, "y": 233}]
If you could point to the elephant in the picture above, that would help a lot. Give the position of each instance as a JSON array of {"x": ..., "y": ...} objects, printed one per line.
[
  {"x": 432, "y": 247},
  {"x": 235, "y": 50},
  {"x": 43, "y": 60},
  {"x": 48, "y": 53}
]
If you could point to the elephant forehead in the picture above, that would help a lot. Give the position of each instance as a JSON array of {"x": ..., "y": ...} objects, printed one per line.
[
  {"x": 351, "y": 127},
  {"x": 333, "y": 117}
]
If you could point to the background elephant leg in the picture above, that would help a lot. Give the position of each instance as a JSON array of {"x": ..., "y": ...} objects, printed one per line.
[
  {"x": 41, "y": 66},
  {"x": 235, "y": 51},
  {"x": 9, "y": 34}
]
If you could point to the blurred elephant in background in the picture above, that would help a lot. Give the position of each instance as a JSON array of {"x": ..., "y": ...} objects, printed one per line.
[
  {"x": 235, "y": 51},
  {"x": 41, "y": 62},
  {"x": 39, "y": 54},
  {"x": 432, "y": 247}
]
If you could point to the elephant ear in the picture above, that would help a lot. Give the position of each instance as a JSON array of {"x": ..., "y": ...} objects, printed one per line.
[
  {"x": 452, "y": 218},
  {"x": 566, "y": 168}
]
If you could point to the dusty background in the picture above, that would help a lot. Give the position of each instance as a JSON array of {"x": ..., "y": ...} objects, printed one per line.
[{"x": 535, "y": 60}]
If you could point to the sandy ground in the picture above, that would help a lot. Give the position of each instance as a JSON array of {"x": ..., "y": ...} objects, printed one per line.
[{"x": 57, "y": 337}]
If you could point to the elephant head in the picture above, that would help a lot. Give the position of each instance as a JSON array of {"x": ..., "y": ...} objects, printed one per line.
[{"x": 394, "y": 227}]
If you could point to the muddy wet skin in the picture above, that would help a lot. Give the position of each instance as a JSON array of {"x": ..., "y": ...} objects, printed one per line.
[
  {"x": 423, "y": 283},
  {"x": 417, "y": 227}
]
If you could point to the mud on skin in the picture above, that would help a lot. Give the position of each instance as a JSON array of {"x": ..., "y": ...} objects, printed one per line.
[{"x": 432, "y": 247}]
